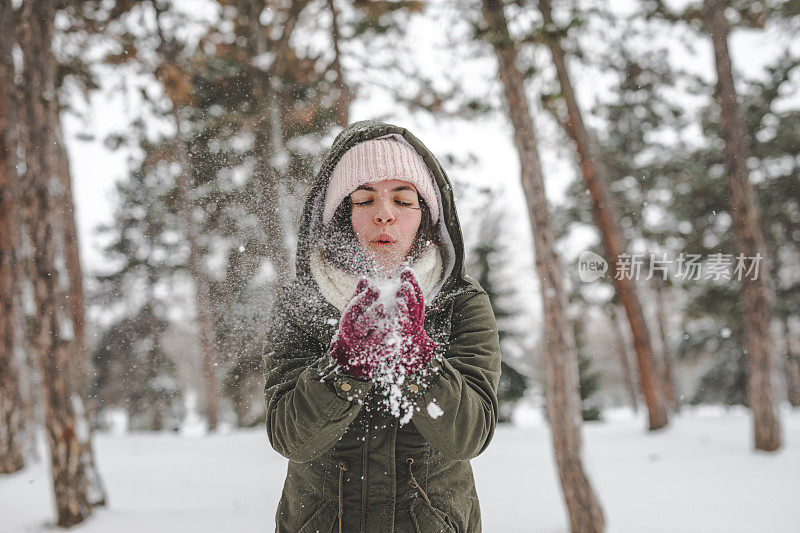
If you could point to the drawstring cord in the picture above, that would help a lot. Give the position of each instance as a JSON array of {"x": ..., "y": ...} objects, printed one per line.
[
  {"x": 342, "y": 470},
  {"x": 413, "y": 482}
]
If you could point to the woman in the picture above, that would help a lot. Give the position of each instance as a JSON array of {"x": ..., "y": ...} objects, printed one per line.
[{"x": 382, "y": 356}]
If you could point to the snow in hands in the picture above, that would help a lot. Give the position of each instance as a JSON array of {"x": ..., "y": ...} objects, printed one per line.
[{"x": 381, "y": 337}]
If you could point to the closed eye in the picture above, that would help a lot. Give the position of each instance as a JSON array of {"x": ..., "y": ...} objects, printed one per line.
[{"x": 398, "y": 202}]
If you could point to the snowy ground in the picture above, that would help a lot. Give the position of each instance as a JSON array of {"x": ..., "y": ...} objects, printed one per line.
[{"x": 700, "y": 475}]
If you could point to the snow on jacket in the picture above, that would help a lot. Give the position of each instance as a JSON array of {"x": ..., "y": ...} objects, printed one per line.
[{"x": 352, "y": 466}]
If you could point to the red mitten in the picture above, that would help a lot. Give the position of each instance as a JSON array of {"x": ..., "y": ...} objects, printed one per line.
[
  {"x": 417, "y": 347},
  {"x": 357, "y": 344}
]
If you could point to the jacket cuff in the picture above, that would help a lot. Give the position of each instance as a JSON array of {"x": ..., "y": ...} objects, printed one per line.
[
  {"x": 415, "y": 386},
  {"x": 344, "y": 385},
  {"x": 350, "y": 388}
]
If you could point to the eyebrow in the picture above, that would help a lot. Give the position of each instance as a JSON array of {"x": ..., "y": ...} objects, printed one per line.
[{"x": 400, "y": 188}]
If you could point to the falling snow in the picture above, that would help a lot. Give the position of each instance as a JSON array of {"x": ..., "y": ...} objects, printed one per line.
[{"x": 434, "y": 410}]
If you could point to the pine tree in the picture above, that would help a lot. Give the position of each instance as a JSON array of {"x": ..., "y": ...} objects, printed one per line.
[
  {"x": 606, "y": 214},
  {"x": 253, "y": 103},
  {"x": 132, "y": 370},
  {"x": 489, "y": 269},
  {"x": 134, "y": 373},
  {"x": 589, "y": 379},
  {"x": 590, "y": 383},
  {"x": 670, "y": 193},
  {"x": 774, "y": 134}
]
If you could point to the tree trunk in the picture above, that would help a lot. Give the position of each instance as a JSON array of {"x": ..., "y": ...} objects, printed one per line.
[
  {"x": 792, "y": 365},
  {"x": 11, "y": 427},
  {"x": 343, "y": 100},
  {"x": 96, "y": 493},
  {"x": 757, "y": 289},
  {"x": 668, "y": 391},
  {"x": 205, "y": 320},
  {"x": 187, "y": 206},
  {"x": 607, "y": 217},
  {"x": 563, "y": 397},
  {"x": 793, "y": 378},
  {"x": 622, "y": 354},
  {"x": 72, "y": 261},
  {"x": 69, "y": 478},
  {"x": 32, "y": 396},
  {"x": 269, "y": 133},
  {"x": 30, "y": 387},
  {"x": 241, "y": 404}
]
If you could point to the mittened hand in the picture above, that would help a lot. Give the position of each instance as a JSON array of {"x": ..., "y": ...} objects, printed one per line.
[
  {"x": 357, "y": 344},
  {"x": 417, "y": 348},
  {"x": 368, "y": 336}
]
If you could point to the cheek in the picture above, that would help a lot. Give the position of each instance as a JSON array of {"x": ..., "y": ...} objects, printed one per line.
[
  {"x": 360, "y": 222},
  {"x": 411, "y": 227}
]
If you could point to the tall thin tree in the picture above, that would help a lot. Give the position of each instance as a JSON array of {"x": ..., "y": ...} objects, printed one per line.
[
  {"x": 563, "y": 398},
  {"x": 11, "y": 454},
  {"x": 178, "y": 88},
  {"x": 608, "y": 222},
  {"x": 622, "y": 353},
  {"x": 792, "y": 364},
  {"x": 39, "y": 84},
  {"x": 76, "y": 307},
  {"x": 668, "y": 390},
  {"x": 269, "y": 134},
  {"x": 757, "y": 289},
  {"x": 344, "y": 97}
]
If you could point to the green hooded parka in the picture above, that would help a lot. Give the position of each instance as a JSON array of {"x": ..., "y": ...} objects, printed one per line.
[{"x": 352, "y": 466}]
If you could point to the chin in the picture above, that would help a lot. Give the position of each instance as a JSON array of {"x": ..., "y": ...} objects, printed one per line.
[{"x": 387, "y": 264}]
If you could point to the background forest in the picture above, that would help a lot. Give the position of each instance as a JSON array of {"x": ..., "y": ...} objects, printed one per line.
[{"x": 154, "y": 157}]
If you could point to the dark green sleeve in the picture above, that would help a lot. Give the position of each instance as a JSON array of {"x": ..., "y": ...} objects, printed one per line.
[
  {"x": 464, "y": 384},
  {"x": 308, "y": 408}
]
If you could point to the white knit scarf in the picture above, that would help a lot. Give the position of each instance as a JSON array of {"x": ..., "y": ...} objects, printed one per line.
[{"x": 338, "y": 285}]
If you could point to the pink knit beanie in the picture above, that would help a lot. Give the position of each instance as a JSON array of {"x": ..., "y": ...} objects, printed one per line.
[{"x": 379, "y": 159}]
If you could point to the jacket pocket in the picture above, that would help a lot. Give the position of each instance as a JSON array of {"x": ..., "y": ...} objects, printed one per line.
[
  {"x": 428, "y": 519},
  {"x": 322, "y": 521}
]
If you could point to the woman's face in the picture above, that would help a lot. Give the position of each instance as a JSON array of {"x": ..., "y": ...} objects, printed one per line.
[{"x": 385, "y": 217}]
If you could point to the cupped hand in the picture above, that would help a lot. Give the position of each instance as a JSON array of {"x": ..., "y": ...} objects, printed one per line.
[
  {"x": 417, "y": 348},
  {"x": 357, "y": 344}
]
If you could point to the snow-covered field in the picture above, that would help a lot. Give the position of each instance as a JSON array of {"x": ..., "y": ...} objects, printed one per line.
[{"x": 700, "y": 475}]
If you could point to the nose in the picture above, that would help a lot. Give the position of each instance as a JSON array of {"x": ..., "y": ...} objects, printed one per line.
[{"x": 384, "y": 213}]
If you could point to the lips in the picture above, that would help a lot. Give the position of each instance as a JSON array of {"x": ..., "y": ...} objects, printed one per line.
[{"x": 383, "y": 239}]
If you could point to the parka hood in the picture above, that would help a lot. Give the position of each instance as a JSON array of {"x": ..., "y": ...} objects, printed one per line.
[{"x": 311, "y": 222}]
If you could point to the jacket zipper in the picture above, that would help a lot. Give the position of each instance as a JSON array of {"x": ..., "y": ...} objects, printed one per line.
[
  {"x": 342, "y": 470},
  {"x": 364, "y": 474}
]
